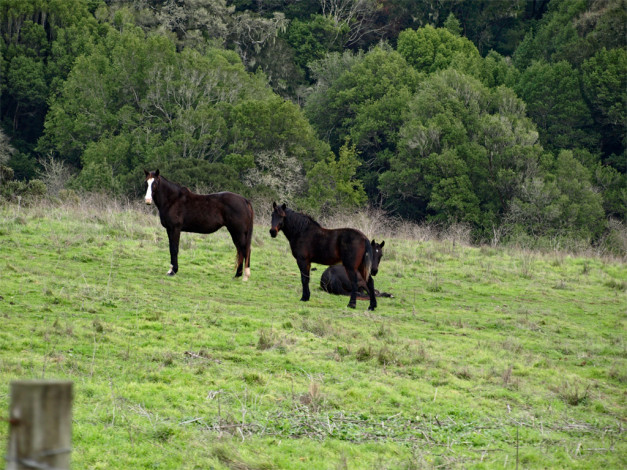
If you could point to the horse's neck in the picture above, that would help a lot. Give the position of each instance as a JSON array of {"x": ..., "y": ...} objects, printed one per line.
[
  {"x": 167, "y": 192},
  {"x": 296, "y": 225}
]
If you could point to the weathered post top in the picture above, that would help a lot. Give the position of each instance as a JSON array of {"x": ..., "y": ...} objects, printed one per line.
[{"x": 40, "y": 419}]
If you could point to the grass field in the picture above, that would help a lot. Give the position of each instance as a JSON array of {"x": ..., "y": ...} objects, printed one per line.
[{"x": 485, "y": 357}]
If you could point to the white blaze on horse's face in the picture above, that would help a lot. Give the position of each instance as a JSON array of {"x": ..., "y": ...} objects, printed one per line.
[{"x": 148, "y": 197}]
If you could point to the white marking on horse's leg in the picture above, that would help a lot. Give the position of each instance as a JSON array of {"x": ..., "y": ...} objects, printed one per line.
[
  {"x": 246, "y": 274},
  {"x": 171, "y": 271},
  {"x": 148, "y": 197}
]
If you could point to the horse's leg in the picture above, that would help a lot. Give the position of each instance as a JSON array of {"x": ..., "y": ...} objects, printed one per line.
[
  {"x": 352, "y": 275},
  {"x": 372, "y": 292},
  {"x": 249, "y": 239},
  {"x": 240, "y": 262},
  {"x": 304, "y": 267},
  {"x": 239, "y": 240},
  {"x": 174, "y": 235}
]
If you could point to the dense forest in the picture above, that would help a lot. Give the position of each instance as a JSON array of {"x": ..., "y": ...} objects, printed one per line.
[{"x": 505, "y": 115}]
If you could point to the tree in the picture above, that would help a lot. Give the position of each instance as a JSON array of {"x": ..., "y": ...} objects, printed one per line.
[
  {"x": 6, "y": 150},
  {"x": 363, "y": 98},
  {"x": 354, "y": 17},
  {"x": 429, "y": 49},
  {"x": 332, "y": 182},
  {"x": 554, "y": 102},
  {"x": 313, "y": 39},
  {"x": 573, "y": 30},
  {"x": 561, "y": 202},
  {"x": 136, "y": 101},
  {"x": 605, "y": 88},
  {"x": 40, "y": 41},
  {"x": 463, "y": 152}
]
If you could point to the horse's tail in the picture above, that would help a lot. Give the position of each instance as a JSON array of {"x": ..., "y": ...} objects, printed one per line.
[
  {"x": 366, "y": 264},
  {"x": 249, "y": 238}
]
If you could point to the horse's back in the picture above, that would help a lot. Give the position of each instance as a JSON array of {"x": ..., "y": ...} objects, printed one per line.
[
  {"x": 332, "y": 246},
  {"x": 207, "y": 213}
]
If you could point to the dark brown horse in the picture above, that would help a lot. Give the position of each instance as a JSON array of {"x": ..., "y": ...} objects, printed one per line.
[
  {"x": 182, "y": 210},
  {"x": 334, "y": 279},
  {"x": 311, "y": 243}
]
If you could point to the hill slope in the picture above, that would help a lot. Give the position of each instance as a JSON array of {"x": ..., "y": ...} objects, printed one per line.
[{"x": 483, "y": 356}]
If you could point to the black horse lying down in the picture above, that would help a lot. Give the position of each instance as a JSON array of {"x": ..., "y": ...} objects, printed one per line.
[{"x": 334, "y": 279}]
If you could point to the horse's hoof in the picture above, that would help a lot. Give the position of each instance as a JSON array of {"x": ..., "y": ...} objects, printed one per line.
[
  {"x": 304, "y": 300},
  {"x": 371, "y": 309},
  {"x": 352, "y": 305}
]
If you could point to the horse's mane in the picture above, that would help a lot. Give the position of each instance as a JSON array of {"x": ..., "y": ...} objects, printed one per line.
[
  {"x": 298, "y": 222},
  {"x": 175, "y": 186}
]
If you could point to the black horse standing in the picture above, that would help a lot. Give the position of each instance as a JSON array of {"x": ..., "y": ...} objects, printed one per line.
[
  {"x": 311, "y": 243},
  {"x": 182, "y": 210},
  {"x": 334, "y": 279}
]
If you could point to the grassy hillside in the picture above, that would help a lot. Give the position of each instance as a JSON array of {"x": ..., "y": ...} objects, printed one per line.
[{"x": 483, "y": 357}]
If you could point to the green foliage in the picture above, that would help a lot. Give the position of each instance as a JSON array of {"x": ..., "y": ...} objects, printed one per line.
[
  {"x": 563, "y": 201},
  {"x": 332, "y": 183},
  {"x": 137, "y": 102},
  {"x": 581, "y": 209},
  {"x": 429, "y": 49},
  {"x": 613, "y": 186},
  {"x": 14, "y": 190},
  {"x": 203, "y": 176},
  {"x": 573, "y": 30},
  {"x": 38, "y": 52},
  {"x": 364, "y": 100},
  {"x": 494, "y": 70},
  {"x": 313, "y": 38},
  {"x": 453, "y": 25},
  {"x": 109, "y": 88},
  {"x": 461, "y": 151},
  {"x": 553, "y": 97},
  {"x": 556, "y": 37},
  {"x": 605, "y": 87}
]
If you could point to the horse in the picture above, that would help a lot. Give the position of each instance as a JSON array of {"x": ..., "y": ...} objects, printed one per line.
[
  {"x": 312, "y": 243},
  {"x": 335, "y": 279},
  {"x": 181, "y": 210}
]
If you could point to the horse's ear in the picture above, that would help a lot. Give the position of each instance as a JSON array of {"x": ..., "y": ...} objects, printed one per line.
[
  {"x": 146, "y": 172},
  {"x": 372, "y": 242},
  {"x": 382, "y": 243},
  {"x": 157, "y": 172},
  {"x": 284, "y": 206},
  {"x": 273, "y": 205}
]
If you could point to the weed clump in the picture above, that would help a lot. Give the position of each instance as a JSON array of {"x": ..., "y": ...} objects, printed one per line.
[
  {"x": 363, "y": 354},
  {"x": 267, "y": 339},
  {"x": 573, "y": 394},
  {"x": 616, "y": 285}
]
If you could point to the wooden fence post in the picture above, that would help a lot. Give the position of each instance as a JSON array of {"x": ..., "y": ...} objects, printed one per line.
[{"x": 40, "y": 420}]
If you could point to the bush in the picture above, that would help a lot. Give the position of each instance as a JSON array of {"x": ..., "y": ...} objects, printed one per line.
[{"x": 19, "y": 190}]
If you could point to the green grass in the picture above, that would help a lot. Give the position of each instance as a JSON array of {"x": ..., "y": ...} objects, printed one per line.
[{"x": 485, "y": 356}]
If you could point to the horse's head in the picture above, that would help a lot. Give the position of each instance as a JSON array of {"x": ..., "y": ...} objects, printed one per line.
[
  {"x": 152, "y": 183},
  {"x": 377, "y": 253},
  {"x": 278, "y": 216}
]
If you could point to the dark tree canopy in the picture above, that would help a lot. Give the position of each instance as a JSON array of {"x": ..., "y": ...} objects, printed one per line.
[{"x": 504, "y": 115}]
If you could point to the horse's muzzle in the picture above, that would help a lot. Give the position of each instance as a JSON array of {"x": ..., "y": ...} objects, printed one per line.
[
  {"x": 273, "y": 232},
  {"x": 148, "y": 201},
  {"x": 374, "y": 272}
]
